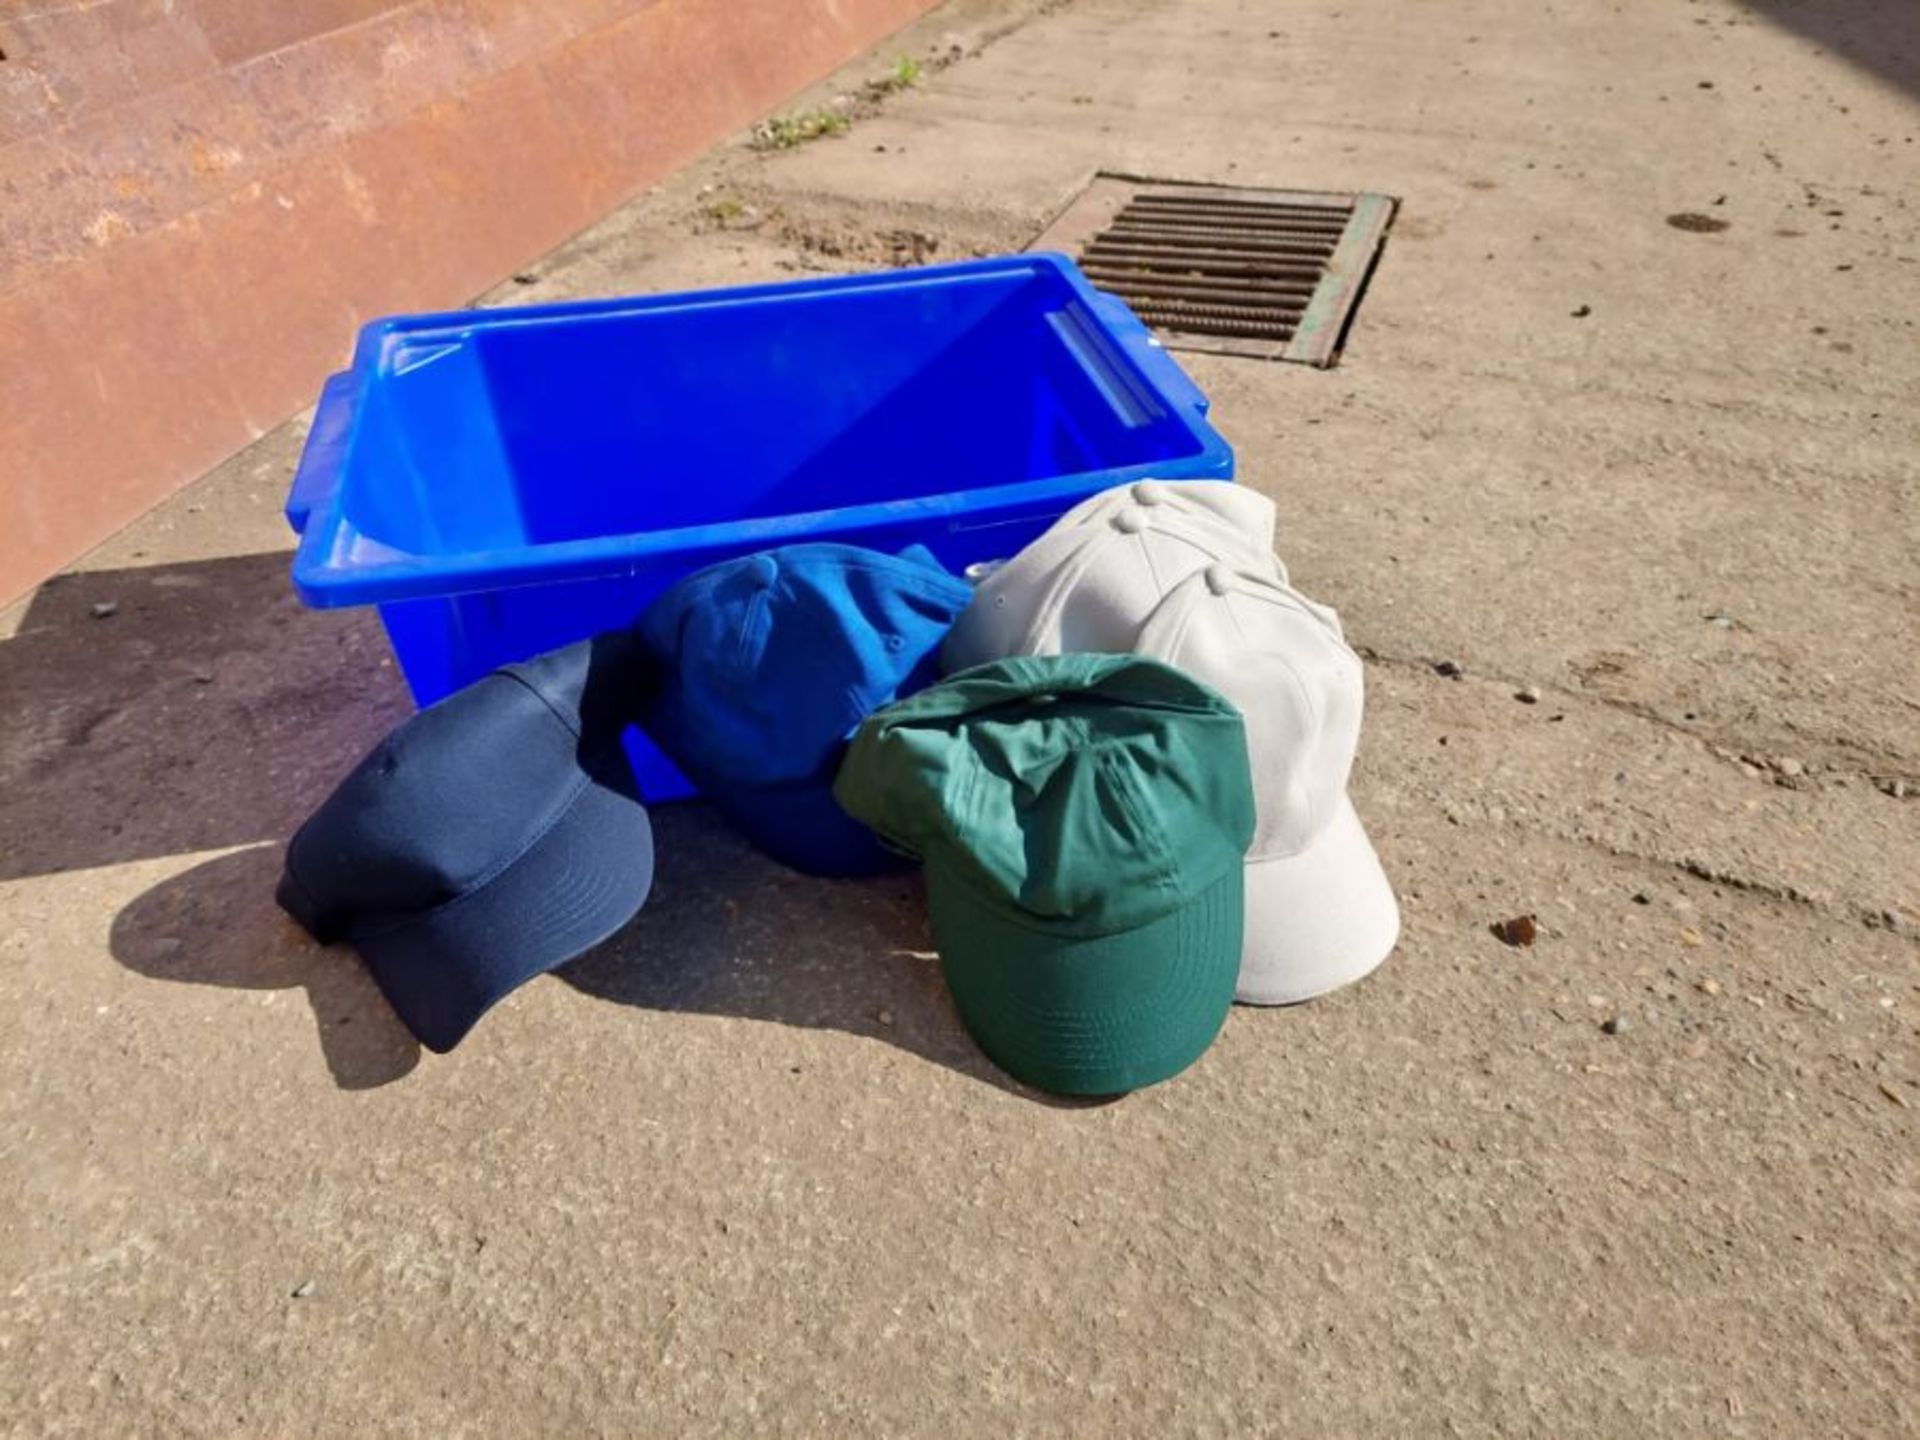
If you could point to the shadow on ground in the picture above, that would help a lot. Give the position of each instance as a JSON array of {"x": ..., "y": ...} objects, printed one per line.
[
  {"x": 725, "y": 932},
  {"x": 1879, "y": 38},
  {"x": 216, "y": 924},
  {"x": 728, "y": 932},
  {"x": 211, "y": 710},
  {"x": 170, "y": 709},
  {"x": 207, "y": 709}
]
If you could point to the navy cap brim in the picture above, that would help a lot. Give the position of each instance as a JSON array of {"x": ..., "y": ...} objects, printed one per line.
[
  {"x": 585, "y": 878},
  {"x": 803, "y": 827}
]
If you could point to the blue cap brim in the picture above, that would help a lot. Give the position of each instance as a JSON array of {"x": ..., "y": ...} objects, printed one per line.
[{"x": 584, "y": 879}]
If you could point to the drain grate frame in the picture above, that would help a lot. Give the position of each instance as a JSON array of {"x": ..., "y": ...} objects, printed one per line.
[{"x": 1228, "y": 269}]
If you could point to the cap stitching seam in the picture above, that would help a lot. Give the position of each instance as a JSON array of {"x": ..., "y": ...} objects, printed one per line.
[
  {"x": 487, "y": 877},
  {"x": 553, "y": 709},
  {"x": 1074, "y": 567},
  {"x": 1289, "y": 598},
  {"x": 1158, "y": 585},
  {"x": 1150, "y": 834},
  {"x": 1314, "y": 819},
  {"x": 750, "y": 625}
]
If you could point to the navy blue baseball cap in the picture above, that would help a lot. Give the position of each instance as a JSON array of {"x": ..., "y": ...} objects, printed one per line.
[
  {"x": 767, "y": 664},
  {"x": 489, "y": 838}
]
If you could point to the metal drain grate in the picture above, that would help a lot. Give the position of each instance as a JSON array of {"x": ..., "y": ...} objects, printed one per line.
[{"x": 1273, "y": 274}]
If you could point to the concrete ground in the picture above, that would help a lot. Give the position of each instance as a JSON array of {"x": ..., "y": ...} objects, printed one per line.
[{"x": 742, "y": 1171}]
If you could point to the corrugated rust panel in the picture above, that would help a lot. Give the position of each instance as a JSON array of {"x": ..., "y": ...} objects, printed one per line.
[
  {"x": 65, "y": 63},
  {"x": 138, "y": 349},
  {"x": 238, "y": 30},
  {"x": 104, "y": 173}
]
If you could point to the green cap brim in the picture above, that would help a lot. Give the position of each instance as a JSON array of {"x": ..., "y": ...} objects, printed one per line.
[{"x": 1091, "y": 1015}]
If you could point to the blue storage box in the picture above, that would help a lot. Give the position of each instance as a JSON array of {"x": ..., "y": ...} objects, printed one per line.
[{"x": 500, "y": 482}]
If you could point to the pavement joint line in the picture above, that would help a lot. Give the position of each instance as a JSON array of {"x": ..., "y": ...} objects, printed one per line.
[
  {"x": 1877, "y": 767},
  {"x": 1633, "y": 709},
  {"x": 1742, "y": 887}
]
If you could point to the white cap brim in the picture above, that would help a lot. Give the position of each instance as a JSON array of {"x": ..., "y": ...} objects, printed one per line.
[{"x": 1317, "y": 920}]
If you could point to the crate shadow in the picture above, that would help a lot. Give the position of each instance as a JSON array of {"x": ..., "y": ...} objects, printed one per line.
[
  {"x": 208, "y": 709},
  {"x": 211, "y": 710}
]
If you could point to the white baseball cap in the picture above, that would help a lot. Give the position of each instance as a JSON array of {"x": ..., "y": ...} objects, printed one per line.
[{"x": 1183, "y": 571}]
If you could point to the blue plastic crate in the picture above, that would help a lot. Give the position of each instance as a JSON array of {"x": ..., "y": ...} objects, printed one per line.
[{"x": 500, "y": 482}]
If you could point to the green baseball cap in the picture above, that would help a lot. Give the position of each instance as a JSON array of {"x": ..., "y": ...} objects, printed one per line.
[{"x": 1084, "y": 821}]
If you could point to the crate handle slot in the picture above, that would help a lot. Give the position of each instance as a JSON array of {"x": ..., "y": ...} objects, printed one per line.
[
  {"x": 321, "y": 460},
  {"x": 1148, "y": 353},
  {"x": 1122, "y": 391}
]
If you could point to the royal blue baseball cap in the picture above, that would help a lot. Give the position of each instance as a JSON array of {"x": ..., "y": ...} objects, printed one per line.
[
  {"x": 487, "y": 839},
  {"x": 766, "y": 665}
]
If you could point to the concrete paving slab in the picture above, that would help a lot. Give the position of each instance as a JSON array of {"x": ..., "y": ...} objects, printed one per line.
[{"x": 741, "y": 1171}]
